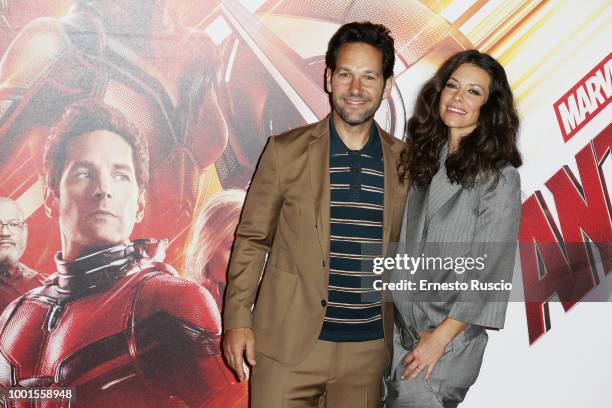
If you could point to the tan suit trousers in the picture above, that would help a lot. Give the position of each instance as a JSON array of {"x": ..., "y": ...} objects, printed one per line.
[{"x": 334, "y": 375}]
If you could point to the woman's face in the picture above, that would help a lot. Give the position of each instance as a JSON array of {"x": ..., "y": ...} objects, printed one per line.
[
  {"x": 464, "y": 93},
  {"x": 217, "y": 266}
]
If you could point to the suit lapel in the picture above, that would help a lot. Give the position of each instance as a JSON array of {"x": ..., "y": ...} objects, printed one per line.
[
  {"x": 394, "y": 191},
  {"x": 424, "y": 204},
  {"x": 318, "y": 164},
  {"x": 440, "y": 191},
  {"x": 416, "y": 207},
  {"x": 394, "y": 195}
]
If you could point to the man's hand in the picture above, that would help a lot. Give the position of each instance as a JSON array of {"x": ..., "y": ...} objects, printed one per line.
[{"x": 235, "y": 343}]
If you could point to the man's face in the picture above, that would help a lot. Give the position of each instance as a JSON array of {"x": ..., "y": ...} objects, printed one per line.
[
  {"x": 99, "y": 199},
  {"x": 357, "y": 85},
  {"x": 13, "y": 235}
]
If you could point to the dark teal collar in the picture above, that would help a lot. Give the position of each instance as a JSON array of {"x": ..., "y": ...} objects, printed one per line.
[{"x": 372, "y": 148}]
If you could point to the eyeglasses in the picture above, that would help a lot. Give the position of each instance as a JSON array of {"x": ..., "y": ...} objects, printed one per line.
[{"x": 12, "y": 226}]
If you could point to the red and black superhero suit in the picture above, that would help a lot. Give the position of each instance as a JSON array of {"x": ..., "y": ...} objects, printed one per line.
[{"x": 121, "y": 329}]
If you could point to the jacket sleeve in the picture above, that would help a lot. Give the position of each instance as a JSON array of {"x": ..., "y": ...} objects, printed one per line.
[
  {"x": 254, "y": 237},
  {"x": 494, "y": 239}
]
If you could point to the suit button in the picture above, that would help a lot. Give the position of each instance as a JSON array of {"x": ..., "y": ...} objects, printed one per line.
[{"x": 323, "y": 303}]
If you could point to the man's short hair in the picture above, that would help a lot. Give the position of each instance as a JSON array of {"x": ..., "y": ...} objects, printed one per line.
[
  {"x": 87, "y": 116},
  {"x": 376, "y": 35}
]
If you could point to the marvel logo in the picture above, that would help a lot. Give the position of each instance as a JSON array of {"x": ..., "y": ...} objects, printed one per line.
[{"x": 585, "y": 100}]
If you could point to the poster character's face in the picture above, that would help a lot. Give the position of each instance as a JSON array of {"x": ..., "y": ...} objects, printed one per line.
[
  {"x": 220, "y": 260},
  {"x": 357, "y": 84},
  {"x": 464, "y": 93},
  {"x": 98, "y": 200},
  {"x": 13, "y": 233}
]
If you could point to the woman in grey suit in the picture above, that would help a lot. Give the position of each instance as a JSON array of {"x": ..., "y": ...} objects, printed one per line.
[{"x": 459, "y": 230}]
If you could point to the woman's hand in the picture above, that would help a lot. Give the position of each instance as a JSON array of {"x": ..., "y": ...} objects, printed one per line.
[
  {"x": 430, "y": 348},
  {"x": 425, "y": 355}
]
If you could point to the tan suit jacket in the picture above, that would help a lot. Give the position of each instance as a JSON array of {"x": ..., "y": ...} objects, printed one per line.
[{"x": 286, "y": 216}]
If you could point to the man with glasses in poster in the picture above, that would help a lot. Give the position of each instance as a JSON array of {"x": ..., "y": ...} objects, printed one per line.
[{"x": 15, "y": 277}]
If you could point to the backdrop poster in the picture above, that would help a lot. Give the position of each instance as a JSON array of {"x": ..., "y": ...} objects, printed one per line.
[{"x": 208, "y": 81}]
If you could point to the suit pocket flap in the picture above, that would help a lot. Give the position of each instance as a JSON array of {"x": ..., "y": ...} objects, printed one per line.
[{"x": 273, "y": 301}]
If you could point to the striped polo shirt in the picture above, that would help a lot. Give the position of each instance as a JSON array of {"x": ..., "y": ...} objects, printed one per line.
[{"x": 356, "y": 229}]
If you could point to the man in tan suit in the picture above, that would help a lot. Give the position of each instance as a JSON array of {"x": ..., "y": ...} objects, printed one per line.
[{"x": 320, "y": 194}]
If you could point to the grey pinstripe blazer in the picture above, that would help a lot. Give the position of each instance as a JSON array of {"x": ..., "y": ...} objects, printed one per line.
[{"x": 448, "y": 221}]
